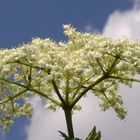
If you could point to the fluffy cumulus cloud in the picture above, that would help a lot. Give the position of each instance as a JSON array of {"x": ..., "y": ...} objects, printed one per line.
[
  {"x": 124, "y": 23},
  {"x": 45, "y": 124}
]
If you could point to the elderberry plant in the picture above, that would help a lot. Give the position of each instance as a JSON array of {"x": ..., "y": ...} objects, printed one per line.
[{"x": 64, "y": 72}]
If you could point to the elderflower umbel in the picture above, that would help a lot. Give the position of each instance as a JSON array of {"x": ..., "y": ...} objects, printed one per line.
[{"x": 86, "y": 62}]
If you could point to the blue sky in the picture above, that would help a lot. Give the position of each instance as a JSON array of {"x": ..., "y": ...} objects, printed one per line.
[{"x": 22, "y": 20}]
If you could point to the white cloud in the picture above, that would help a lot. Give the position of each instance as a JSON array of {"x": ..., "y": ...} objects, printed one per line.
[
  {"x": 45, "y": 124},
  {"x": 123, "y": 23}
]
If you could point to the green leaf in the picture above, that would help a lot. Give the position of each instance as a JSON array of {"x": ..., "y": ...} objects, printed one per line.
[
  {"x": 93, "y": 135},
  {"x": 64, "y": 135}
]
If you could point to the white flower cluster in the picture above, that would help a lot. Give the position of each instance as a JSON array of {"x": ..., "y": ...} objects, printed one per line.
[{"x": 74, "y": 65}]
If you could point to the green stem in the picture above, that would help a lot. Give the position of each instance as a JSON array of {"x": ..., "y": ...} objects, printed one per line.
[
  {"x": 13, "y": 97},
  {"x": 57, "y": 92},
  {"x": 87, "y": 89},
  {"x": 33, "y": 90},
  {"x": 68, "y": 117}
]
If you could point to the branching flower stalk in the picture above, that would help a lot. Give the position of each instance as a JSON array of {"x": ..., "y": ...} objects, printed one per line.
[{"x": 64, "y": 72}]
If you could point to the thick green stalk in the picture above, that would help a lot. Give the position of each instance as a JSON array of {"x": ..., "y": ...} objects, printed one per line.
[{"x": 68, "y": 117}]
